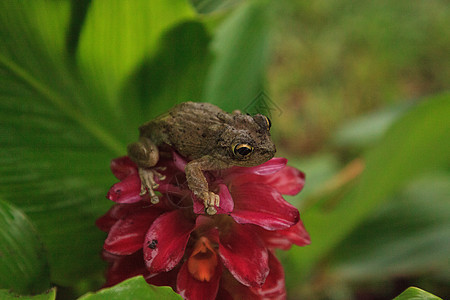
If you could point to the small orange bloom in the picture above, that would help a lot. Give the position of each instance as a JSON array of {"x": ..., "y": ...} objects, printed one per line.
[{"x": 203, "y": 260}]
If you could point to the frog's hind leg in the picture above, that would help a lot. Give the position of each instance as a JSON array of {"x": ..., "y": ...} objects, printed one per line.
[{"x": 146, "y": 155}]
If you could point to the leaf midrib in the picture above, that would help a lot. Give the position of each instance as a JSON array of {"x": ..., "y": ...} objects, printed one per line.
[{"x": 96, "y": 131}]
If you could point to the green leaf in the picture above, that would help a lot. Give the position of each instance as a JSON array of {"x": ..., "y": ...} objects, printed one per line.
[
  {"x": 319, "y": 169},
  {"x": 59, "y": 131},
  {"x": 174, "y": 74},
  {"x": 419, "y": 142},
  {"x": 413, "y": 293},
  {"x": 33, "y": 64},
  {"x": 410, "y": 234},
  {"x": 79, "y": 10},
  {"x": 367, "y": 130},
  {"x": 210, "y": 6},
  {"x": 48, "y": 37},
  {"x": 23, "y": 261},
  {"x": 133, "y": 288},
  {"x": 49, "y": 295},
  {"x": 55, "y": 148},
  {"x": 118, "y": 35},
  {"x": 241, "y": 48}
]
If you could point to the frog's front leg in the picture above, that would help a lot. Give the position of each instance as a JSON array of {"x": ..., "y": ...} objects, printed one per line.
[
  {"x": 198, "y": 184},
  {"x": 146, "y": 155}
]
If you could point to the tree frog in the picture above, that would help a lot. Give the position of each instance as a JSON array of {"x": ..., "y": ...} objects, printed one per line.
[{"x": 211, "y": 138}]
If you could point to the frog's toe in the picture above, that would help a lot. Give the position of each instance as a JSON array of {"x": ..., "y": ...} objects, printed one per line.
[
  {"x": 154, "y": 199},
  {"x": 148, "y": 184},
  {"x": 210, "y": 200},
  {"x": 143, "y": 190},
  {"x": 211, "y": 210},
  {"x": 217, "y": 200},
  {"x": 159, "y": 175}
]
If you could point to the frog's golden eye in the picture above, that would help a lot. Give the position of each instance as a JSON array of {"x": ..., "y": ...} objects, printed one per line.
[
  {"x": 242, "y": 150},
  {"x": 268, "y": 122},
  {"x": 263, "y": 121}
]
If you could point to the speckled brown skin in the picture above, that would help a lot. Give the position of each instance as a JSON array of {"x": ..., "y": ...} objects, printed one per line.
[{"x": 207, "y": 135}]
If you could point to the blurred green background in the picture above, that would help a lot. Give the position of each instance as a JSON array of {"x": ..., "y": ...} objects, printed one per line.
[{"x": 358, "y": 94}]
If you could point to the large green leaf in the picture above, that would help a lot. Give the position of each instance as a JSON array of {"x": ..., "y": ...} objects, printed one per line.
[
  {"x": 414, "y": 293},
  {"x": 23, "y": 261},
  {"x": 409, "y": 235},
  {"x": 174, "y": 74},
  {"x": 133, "y": 288},
  {"x": 19, "y": 38},
  {"x": 210, "y": 6},
  {"x": 241, "y": 48},
  {"x": 368, "y": 129},
  {"x": 54, "y": 155},
  {"x": 118, "y": 35},
  {"x": 58, "y": 133},
  {"x": 417, "y": 143},
  {"x": 32, "y": 61},
  {"x": 78, "y": 14},
  {"x": 7, "y": 295}
]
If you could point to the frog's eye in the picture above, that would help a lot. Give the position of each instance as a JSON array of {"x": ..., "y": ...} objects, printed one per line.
[
  {"x": 263, "y": 121},
  {"x": 242, "y": 150},
  {"x": 268, "y": 122}
]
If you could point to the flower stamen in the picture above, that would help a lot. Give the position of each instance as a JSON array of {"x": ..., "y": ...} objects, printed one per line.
[{"x": 203, "y": 260}]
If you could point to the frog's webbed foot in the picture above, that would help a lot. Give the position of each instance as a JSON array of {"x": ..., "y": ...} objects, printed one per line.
[
  {"x": 148, "y": 184},
  {"x": 209, "y": 200}
]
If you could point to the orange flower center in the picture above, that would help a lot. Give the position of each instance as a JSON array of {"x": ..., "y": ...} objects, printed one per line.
[{"x": 203, "y": 260}]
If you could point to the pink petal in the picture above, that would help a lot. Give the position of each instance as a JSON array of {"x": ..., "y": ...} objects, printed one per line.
[
  {"x": 272, "y": 238},
  {"x": 223, "y": 294},
  {"x": 274, "y": 286},
  {"x": 166, "y": 240},
  {"x": 226, "y": 202},
  {"x": 117, "y": 212},
  {"x": 262, "y": 205},
  {"x": 105, "y": 222},
  {"x": 283, "y": 239},
  {"x": 192, "y": 289},
  {"x": 230, "y": 286},
  {"x": 170, "y": 189},
  {"x": 199, "y": 208},
  {"x": 127, "y": 235},
  {"x": 267, "y": 168},
  {"x": 297, "y": 234},
  {"x": 288, "y": 181},
  {"x": 245, "y": 256},
  {"x": 179, "y": 161},
  {"x": 163, "y": 278},
  {"x": 122, "y": 167},
  {"x": 167, "y": 167},
  {"x": 126, "y": 191}
]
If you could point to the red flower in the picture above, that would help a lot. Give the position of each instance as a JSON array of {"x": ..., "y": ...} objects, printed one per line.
[{"x": 228, "y": 255}]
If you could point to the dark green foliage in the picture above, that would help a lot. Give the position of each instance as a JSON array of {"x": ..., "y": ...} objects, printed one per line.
[{"x": 78, "y": 77}]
